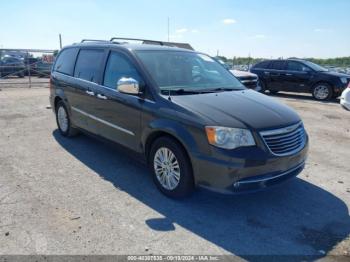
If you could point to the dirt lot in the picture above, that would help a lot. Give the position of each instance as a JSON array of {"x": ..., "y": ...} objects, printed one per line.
[{"x": 81, "y": 196}]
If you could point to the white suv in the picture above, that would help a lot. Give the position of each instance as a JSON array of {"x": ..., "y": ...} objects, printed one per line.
[{"x": 345, "y": 98}]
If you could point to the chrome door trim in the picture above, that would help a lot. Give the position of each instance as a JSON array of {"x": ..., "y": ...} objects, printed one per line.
[{"x": 103, "y": 121}]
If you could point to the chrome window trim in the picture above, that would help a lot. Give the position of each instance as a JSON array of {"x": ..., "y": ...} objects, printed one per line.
[{"x": 103, "y": 121}]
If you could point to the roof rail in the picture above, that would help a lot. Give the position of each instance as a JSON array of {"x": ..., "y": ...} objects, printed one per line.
[
  {"x": 137, "y": 39},
  {"x": 93, "y": 40}
]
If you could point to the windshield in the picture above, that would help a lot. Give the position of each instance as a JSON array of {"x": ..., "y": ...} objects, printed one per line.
[
  {"x": 174, "y": 70},
  {"x": 315, "y": 66}
]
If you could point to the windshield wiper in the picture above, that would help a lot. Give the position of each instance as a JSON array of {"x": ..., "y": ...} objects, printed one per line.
[
  {"x": 181, "y": 91},
  {"x": 223, "y": 89}
]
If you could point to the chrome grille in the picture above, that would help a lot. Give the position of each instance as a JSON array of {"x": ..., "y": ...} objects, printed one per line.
[{"x": 285, "y": 141}]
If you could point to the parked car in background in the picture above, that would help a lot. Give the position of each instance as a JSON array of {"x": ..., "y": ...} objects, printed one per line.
[
  {"x": 11, "y": 66},
  {"x": 30, "y": 65},
  {"x": 345, "y": 98},
  {"x": 248, "y": 79},
  {"x": 295, "y": 75},
  {"x": 43, "y": 69},
  {"x": 191, "y": 119}
]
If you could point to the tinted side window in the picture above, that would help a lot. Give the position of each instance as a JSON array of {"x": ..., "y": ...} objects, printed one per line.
[
  {"x": 277, "y": 65},
  {"x": 89, "y": 65},
  {"x": 119, "y": 66},
  {"x": 262, "y": 65},
  {"x": 66, "y": 60},
  {"x": 294, "y": 66}
]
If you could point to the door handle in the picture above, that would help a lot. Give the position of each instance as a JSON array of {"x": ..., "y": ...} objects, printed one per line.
[
  {"x": 289, "y": 74},
  {"x": 90, "y": 93},
  {"x": 266, "y": 73},
  {"x": 101, "y": 97}
]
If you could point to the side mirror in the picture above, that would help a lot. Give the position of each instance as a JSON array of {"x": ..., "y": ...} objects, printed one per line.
[{"x": 128, "y": 85}]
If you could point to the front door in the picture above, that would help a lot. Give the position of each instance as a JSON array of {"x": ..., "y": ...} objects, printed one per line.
[
  {"x": 118, "y": 115},
  {"x": 297, "y": 76}
]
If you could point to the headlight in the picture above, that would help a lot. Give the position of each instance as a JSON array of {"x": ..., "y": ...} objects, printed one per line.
[
  {"x": 229, "y": 138},
  {"x": 344, "y": 80}
]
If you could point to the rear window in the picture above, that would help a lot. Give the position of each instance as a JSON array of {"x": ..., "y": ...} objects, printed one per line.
[
  {"x": 88, "y": 64},
  {"x": 262, "y": 65},
  {"x": 277, "y": 65},
  {"x": 66, "y": 60}
]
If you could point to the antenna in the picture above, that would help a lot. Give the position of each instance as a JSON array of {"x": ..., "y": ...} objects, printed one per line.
[{"x": 169, "y": 95}]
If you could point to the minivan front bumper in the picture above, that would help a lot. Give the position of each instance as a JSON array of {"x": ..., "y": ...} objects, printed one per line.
[{"x": 251, "y": 170}]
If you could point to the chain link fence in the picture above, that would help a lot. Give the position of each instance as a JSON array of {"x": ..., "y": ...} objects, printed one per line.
[{"x": 25, "y": 67}]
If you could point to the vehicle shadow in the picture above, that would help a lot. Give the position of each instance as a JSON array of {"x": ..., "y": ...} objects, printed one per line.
[
  {"x": 303, "y": 96},
  {"x": 297, "y": 218}
]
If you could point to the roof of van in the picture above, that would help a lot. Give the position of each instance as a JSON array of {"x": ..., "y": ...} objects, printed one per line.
[{"x": 131, "y": 47}]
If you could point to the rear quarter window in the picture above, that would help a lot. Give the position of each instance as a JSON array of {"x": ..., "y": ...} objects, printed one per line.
[
  {"x": 66, "y": 60},
  {"x": 262, "y": 65}
]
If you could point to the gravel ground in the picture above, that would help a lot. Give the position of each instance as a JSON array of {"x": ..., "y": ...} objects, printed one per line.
[{"x": 81, "y": 196}]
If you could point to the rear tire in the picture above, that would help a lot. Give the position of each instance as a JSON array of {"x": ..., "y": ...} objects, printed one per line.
[
  {"x": 322, "y": 92},
  {"x": 63, "y": 121},
  {"x": 171, "y": 168}
]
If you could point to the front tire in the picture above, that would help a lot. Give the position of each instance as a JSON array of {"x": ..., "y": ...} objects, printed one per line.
[
  {"x": 171, "y": 168},
  {"x": 322, "y": 92},
  {"x": 63, "y": 121}
]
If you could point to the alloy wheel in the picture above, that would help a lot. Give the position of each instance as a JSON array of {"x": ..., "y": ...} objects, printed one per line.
[
  {"x": 167, "y": 168},
  {"x": 321, "y": 92},
  {"x": 62, "y": 119}
]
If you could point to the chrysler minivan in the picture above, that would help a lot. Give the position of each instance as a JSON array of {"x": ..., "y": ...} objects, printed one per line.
[{"x": 191, "y": 119}]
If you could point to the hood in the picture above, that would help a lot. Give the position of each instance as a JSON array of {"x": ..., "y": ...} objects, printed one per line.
[
  {"x": 241, "y": 109},
  {"x": 238, "y": 73},
  {"x": 336, "y": 74}
]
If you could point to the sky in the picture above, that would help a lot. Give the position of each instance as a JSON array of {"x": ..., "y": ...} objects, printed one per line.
[{"x": 260, "y": 28}]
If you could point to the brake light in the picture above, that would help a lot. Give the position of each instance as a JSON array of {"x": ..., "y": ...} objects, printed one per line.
[{"x": 349, "y": 85}]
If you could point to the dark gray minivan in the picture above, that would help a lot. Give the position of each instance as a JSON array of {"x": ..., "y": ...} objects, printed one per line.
[{"x": 192, "y": 120}]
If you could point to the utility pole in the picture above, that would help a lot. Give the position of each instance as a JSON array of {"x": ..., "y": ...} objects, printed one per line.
[
  {"x": 168, "y": 29},
  {"x": 60, "y": 37},
  {"x": 217, "y": 52},
  {"x": 249, "y": 60}
]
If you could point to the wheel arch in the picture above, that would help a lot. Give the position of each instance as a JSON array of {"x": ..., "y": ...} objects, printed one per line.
[
  {"x": 322, "y": 82},
  {"x": 57, "y": 99},
  {"x": 154, "y": 136},
  {"x": 174, "y": 130}
]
